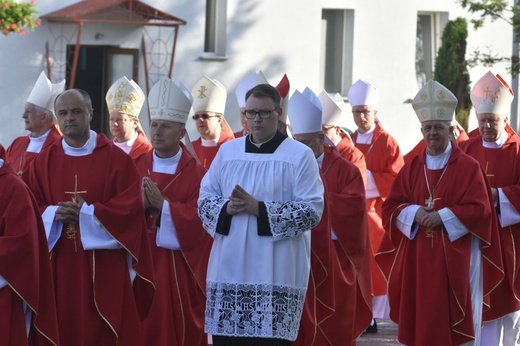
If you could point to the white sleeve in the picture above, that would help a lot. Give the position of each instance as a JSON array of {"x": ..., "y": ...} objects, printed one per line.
[
  {"x": 371, "y": 189},
  {"x": 93, "y": 235},
  {"x": 3, "y": 283},
  {"x": 53, "y": 228},
  {"x": 508, "y": 214},
  {"x": 405, "y": 221},
  {"x": 167, "y": 233},
  {"x": 452, "y": 224}
]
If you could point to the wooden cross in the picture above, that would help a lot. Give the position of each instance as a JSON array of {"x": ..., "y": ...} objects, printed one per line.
[{"x": 71, "y": 228}]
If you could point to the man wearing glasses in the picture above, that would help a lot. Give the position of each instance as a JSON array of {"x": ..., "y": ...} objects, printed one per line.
[
  {"x": 209, "y": 103},
  {"x": 258, "y": 200}
]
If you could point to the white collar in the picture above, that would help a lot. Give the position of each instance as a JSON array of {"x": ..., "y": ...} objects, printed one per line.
[
  {"x": 86, "y": 149},
  {"x": 499, "y": 143},
  {"x": 210, "y": 142},
  {"x": 126, "y": 146},
  {"x": 438, "y": 161},
  {"x": 166, "y": 165}
]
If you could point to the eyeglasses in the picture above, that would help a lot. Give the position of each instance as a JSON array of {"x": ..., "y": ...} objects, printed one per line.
[
  {"x": 204, "y": 116},
  {"x": 263, "y": 113},
  {"x": 436, "y": 128}
]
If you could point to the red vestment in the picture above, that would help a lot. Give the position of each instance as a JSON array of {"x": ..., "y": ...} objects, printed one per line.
[
  {"x": 428, "y": 276},
  {"x": 349, "y": 152},
  {"x": 207, "y": 154},
  {"x": 97, "y": 303},
  {"x": 320, "y": 297},
  {"x": 141, "y": 145},
  {"x": 17, "y": 155},
  {"x": 2, "y": 152},
  {"x": 346, "y": 198},
  {"x": 502, "y": 168},
  {"x": 384, "y": 160},
  {"x": 239, "y": 134},
  {"x": 24, "y": 264},
  {"x": 177, "y": 313}
]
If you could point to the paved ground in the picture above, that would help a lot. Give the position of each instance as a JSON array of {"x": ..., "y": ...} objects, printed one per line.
[{"x": 386, "y": 335}]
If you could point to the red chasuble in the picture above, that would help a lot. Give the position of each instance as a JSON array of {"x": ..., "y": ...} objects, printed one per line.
[
  {"x": 17, "y": 155},
  {"x": 320, "y": 298},
  {"x": 428, "y": 276},
  {"x": 2, "y": 152},
  {"x": 384, "y": 160},
  {"x": 207, "y": 154},
  {"x": 421, "y": 146},
  {"x": 141, "y": 146},
  {"x": 96, "y": 301},
  {"x": 177, "y": 313},
  {"x": 502, "y": 168},
  {"x": 349, "y": 152},
  {"x": 24, "y": 264},
  {"x": 346, "y": 197}
]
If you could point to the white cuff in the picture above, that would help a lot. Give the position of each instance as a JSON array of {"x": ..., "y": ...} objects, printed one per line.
[
  {"x": 53, "y": 228},
  {"x": 405, "y": 221},
  {"x": 93, "y": 234},
  {"x": 508, "y": 214},
  {"x": 452, "y": 224},
  {"x": 371, "y": 189}
]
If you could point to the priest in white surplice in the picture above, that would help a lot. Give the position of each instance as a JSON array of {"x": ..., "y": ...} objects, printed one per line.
[{"x": 260, "y": 197}]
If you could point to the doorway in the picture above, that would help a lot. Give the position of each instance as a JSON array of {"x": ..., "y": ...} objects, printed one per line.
[{"x": 98, "y": 68}]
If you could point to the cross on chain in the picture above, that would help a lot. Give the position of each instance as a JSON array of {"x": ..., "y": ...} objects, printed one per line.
[{"x": 71, "y": 228}]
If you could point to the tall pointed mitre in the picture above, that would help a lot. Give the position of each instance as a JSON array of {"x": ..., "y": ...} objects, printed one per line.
[
  {"x": 125, "y": 96},
  {"x": 247, "y": 84},
  {"x": 434, "y": 102},
  {"x": 283, "y": 88},
  {"x": 363, "y": 93},
  {"x": 305, "y": 115},
  {"x": 332, "y": 109},
  {"x": 44, "y": 92},
  {"x": 491, "y": 94},
  {"x": 209, "y": 95},
  {"x": 169, "y": 100}
]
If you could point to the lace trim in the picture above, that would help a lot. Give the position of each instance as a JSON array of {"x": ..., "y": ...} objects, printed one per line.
[
  {"x": 253, "y": 310},
  {"x": 288, "y": 219},
  {"x": 209, "y": 210}
]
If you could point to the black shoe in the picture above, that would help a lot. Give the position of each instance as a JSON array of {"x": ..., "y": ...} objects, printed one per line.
[{"x": 372, "y": 329}]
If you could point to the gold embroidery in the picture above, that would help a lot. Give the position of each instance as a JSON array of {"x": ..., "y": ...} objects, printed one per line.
[{"x": 71, "y": 228}]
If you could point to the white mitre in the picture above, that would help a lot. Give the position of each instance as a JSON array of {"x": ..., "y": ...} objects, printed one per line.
[
  {"x": 209, "y": 95},
  {"x": 332, "y": 109},
  {"x": 491, "y": 94},
  {"x": 434, "y": 102},
  {"x": 169, "y": 100},
  {"x": 125, "y": 96},
  {"x": 363, "y": 93},
  {"x": 44, "y": 92},
  {"x": 247, "y": 84},
  {"x": 305, "y": 115}
]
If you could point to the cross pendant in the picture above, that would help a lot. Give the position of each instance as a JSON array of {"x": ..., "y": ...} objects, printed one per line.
[
  {"x": 430, "y": 234},
  {"x": 430, "y": 202}
]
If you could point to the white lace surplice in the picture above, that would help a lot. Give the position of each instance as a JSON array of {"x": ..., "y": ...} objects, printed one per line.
[{"x": 256, "y": 285}]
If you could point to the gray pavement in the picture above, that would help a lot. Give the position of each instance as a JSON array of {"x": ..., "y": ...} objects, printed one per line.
[{"x": 386, "y": 335}]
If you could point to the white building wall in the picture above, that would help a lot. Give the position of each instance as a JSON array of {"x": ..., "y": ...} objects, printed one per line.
[{"x": 276, "y": 37}]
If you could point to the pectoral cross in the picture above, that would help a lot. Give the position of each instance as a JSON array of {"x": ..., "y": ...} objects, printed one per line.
[
  {"x": 430, "y": 234},
  {"x": 71, "y": 228},
  {"x": 488, "y": 174},
  {"x": 430, "y": 202}
]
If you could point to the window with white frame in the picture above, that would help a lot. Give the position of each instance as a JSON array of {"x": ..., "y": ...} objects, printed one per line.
[
  {"x": 216, "y": 26},
  {"x": 427, "y": 43},
  {"x": 337, "y": 27}
]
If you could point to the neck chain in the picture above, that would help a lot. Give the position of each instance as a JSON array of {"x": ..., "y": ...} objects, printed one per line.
[{"x": 430, "y": 202}]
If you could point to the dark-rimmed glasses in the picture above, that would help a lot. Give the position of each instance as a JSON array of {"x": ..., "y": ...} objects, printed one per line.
[
  {"x": 204, "y": 116},
  {"x": 263, "y": 113}
]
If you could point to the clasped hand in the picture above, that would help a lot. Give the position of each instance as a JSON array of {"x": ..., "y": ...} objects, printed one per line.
[
  {"x": 428, "y": 217},
  {"x": 152, "y": 196},
  {"x": 68, "y": 212},
  {"x": 241, "y": 202}
]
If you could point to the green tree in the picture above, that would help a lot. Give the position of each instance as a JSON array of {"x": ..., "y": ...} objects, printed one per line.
[
  {"x": 494, "y": 10},
  {"x": 451, "y": 68}
]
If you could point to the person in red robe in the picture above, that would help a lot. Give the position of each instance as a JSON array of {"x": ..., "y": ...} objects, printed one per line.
[
  {"x": 26, "y": 287},
  {"x": 124, "y": 102},
  {"x": 89, "y": 195},
  {"x": 209, "y": 105},
  {"x": 497, "y": 149},
  {"x": 39, "y": 120},
  {"x": 384, "y": 160},
  {"x": 340, "y": 276},
  {"x": 441, "y": 262},
  {"x": 333, "y": 124},
  {"x": 459, "y": 136},
  {"x": 180, "y": 246}
]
